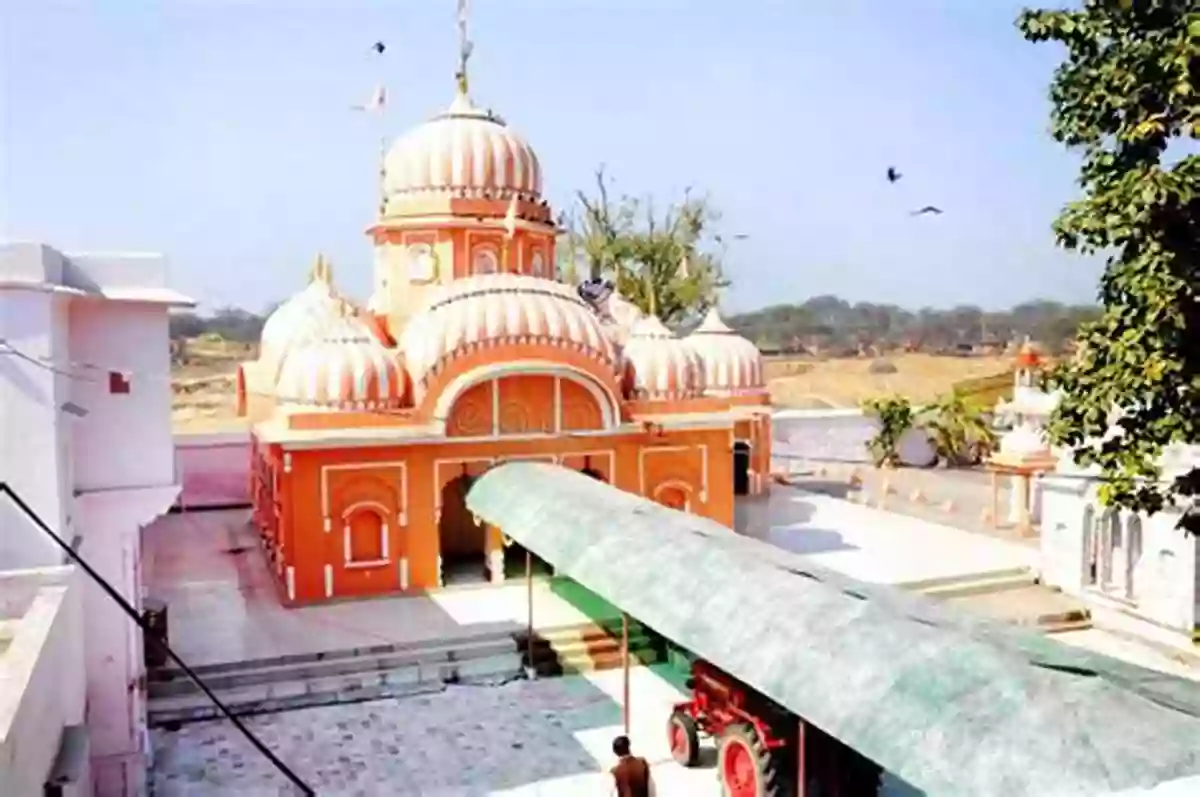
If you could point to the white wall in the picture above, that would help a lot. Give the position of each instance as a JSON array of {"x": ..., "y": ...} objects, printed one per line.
[
  {"x": 838, "y": 436},
  {"x": 34, "y": 434},
  {"x": 1166, "y": 577},
  {"x": 41, "y": 675},
  {"x": 125, "y": 440}
]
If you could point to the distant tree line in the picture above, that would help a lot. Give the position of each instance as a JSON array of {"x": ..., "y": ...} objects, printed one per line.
[
  {"x": 828, "y": 324},
  {"x": 230, "y": 323},
  {"x": 822, "y": 324}
]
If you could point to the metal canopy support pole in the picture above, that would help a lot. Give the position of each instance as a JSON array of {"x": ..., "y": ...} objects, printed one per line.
[
  {"x": 625, "y": 666},
  {"x": 801, "y": 764},
  {"x": 530, "y": 669}
]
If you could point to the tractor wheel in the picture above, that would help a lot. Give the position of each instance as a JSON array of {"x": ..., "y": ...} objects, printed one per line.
[
  {"x": 684, "y": 737},
  {"x": 745, "y": 765}
]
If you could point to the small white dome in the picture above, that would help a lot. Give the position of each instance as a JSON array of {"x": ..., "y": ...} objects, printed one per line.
[
  {"x": 658, "y": 365},
  {"x": 347, "y": 369},
  {"x": 306, "y": 317},
  {"x": 732, "y": 364}
]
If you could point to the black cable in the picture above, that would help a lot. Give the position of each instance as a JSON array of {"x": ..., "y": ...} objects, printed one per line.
[{"x": 151, "y": 635}]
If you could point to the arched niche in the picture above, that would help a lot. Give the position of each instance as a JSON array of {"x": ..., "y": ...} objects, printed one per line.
[
  {"x": 525, "y": 398},
  {"x": 674, "y": 495}
]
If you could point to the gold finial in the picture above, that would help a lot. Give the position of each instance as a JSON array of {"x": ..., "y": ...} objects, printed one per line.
[
  {"x": 464, "y": 46},
  {"x": 321, "y": 271}
]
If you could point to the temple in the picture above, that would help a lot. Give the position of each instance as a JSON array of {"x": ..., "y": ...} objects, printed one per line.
[{"x": 370, "y": 422}]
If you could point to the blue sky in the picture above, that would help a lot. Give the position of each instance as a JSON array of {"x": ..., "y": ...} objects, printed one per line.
[{"x": 219, "y": 132}]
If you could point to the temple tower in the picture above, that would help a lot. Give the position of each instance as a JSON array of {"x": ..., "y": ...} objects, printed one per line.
[{"x": 462, "y": 196}]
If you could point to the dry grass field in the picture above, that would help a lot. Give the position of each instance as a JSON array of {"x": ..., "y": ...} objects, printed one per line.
[
  {"x": 204, "y": 381},
  {"x": 809, "y": 383}
]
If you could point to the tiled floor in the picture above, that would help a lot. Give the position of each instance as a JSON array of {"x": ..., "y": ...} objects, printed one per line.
[
  {"x": 875, "y": 545},
  {"x": 544, "y": 738},
  {"x": 222, "y": 604}
]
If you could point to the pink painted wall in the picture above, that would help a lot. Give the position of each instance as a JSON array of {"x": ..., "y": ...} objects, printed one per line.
[{"x": 213, "y": 469}]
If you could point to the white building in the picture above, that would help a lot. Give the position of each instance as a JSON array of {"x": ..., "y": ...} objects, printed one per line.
[
  {"x": 85, "y": 440},
  {"x": 42, "y": 682},
  {"x": 1121, "y": 563}
]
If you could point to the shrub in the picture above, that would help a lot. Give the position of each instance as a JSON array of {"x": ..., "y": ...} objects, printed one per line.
[{"x": 896, "y": 417}]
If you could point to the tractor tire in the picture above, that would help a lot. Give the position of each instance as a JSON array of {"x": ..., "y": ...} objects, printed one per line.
[
  {"x": 683, "y": 737},
  {"x": 745, "y": 766}
]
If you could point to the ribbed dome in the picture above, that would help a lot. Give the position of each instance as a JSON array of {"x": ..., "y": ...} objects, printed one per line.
[
  {"x": 304, "y": 318},
  {"x": 658, "y": 365},
  {"x": 465, "y": 151},
  {"x": 347, "y": 369},
  {"x": 495, "y": 309},
  {"x": 732, "y": 364}
]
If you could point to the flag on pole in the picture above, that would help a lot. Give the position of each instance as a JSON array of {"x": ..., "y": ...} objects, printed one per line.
[
  {"x": 377, "y": 102},
  {"x": 510, "y": 218}
]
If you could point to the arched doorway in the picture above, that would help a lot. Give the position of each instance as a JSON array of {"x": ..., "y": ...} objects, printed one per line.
[
  {"x": 741, "y": 468},
  {"x": 462, "y": 542}
]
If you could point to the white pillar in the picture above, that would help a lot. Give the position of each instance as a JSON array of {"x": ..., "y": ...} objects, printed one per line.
[
  {"x": 496, "y": 565},
  {"x": 1014, "y": 499}
]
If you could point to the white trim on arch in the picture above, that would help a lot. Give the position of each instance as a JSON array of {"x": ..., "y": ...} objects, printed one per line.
[
  {"x": 674, "y": 484},
  {"x": 401, "y": 510},
  {"x": 608, "y": 403},
  {"x": 645, "y": 452}
]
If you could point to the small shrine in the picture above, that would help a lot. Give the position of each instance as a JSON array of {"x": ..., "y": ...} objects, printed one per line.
[{"x": 1024, "y": 451}]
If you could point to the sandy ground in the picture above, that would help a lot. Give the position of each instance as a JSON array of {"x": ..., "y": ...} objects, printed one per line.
[
  {"x": 204, "y": 384},
  {"x": 815, "y": 384}
]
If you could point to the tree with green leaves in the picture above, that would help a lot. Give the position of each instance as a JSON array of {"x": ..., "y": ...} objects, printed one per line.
[
  {"x": 668, "y": 265},
  {"x": 1127, "y": 98}
]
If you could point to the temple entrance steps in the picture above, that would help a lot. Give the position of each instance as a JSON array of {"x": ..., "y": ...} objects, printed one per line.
[
  {"x": 589, "y": 648},
  {"x": 284, "y": 683},
  {"x": 960, "y": 586}
]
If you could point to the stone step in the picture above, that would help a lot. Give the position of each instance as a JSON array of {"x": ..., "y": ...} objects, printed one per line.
[
  {"x": 925, "y": 585},
  {"x": 268, "y": 697},
  {"x": 993, "y": 582},
  {"x": 432, "y": 656},
  {"x": 169, "y": 672}
]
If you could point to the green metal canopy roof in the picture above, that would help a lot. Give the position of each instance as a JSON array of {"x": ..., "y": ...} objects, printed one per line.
[{"x": 954, "y": 705}]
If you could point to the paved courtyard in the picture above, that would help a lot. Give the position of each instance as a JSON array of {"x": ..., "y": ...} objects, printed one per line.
[
  {"x": 223, "y": 605},
  {"x": 546, "y": 737},
  {"x": 875, "y": 545}
]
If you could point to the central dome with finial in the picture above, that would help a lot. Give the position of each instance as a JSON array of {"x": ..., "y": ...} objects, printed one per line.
[{"x": 463, "y": 152}]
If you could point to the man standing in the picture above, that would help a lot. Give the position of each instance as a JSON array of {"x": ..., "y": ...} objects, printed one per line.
[{"x": 631, "y": 775}]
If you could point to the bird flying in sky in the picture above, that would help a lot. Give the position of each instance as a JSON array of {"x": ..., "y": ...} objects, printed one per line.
[
  {"x": 379, "y": 47},
  {"x": 893, "y": 175},
  {"x": 927, "y": 209}
]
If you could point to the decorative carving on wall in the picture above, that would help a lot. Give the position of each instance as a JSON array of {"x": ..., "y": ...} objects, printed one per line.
[
  {"x": 471, "y": 415},
  {"x": 516, "y": 418},
  {"x": 580, "y": 412}
]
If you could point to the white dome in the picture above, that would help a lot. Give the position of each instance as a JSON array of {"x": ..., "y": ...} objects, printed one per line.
[
  {"x": 347, "y": 369},
  {"x": 658, "y": 365},
  {"x": 306, "y": 317},
  {"x": 732, "y": 364},
  {"x": 465, "y": 151},
  {"x": 495, "y": 309}
]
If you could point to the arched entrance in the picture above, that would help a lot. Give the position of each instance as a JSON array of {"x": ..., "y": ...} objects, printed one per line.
[
  {"x": 462, "y": 542},
  {"x": 741, "y": 468}
]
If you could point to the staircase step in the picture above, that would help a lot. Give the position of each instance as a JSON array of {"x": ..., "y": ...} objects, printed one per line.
[
  {"x": 979, "y": 586},
  {"x": 431, "y": 656},
  {"x": 262, "y": 698},
  {"x": 929, "y": 585}
]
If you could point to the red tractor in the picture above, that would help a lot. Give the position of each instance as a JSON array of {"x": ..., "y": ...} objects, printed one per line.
[{"x": 758, "y": 743}]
